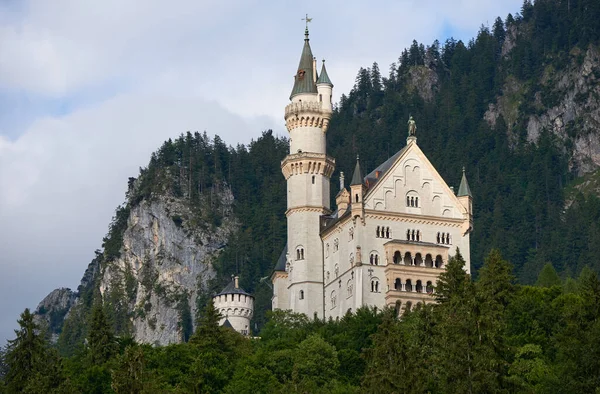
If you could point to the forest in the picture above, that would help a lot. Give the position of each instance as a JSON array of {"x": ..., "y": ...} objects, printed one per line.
[
  {"x": 488, "y": 335},
  {"x": 528, "y": 319}
]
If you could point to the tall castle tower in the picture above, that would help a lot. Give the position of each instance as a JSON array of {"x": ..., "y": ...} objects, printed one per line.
[{"x": 307, "y": 170}]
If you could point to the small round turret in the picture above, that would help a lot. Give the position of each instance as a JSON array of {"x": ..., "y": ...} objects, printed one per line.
[{"x": 236, "y": 307}]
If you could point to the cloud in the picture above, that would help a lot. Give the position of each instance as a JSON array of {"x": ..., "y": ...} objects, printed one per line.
[
  {"x": 61, "y": 181},
  {"x": 100, "y": 85}
]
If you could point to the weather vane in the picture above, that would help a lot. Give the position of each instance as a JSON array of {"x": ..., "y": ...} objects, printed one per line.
[{"x": 307, "y": 19}]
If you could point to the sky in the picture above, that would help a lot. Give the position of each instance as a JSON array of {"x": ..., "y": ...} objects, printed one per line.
[{"x": 89, "y": 89}]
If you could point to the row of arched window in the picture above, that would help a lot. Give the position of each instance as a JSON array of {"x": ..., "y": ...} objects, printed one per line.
[
  {"x": 412, "y": 201},
  {"x": 443, "y": 238},
  {"x": 300, "y": 253},
  {"x": 413, "y": 235},
  {"x": 416, "y": 287},
  {"x": 418, "y": 260},
  {"x": 383, "y": 232}
]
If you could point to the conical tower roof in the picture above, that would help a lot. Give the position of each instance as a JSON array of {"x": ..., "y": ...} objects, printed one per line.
[
  {"x": 357, "y": 178},
  {"x": 464, "y": 189},
  {"x": 323, "y": 77},
  {"x": 303, "y": 80}
]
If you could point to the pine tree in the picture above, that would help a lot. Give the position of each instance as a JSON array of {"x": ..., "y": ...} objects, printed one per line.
[
  {"x": 31, "y": 365},
  {"x": 102, "y": 345},
  {"x": 548, "y": 277}
]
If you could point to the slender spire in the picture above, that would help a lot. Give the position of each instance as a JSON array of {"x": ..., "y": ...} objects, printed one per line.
[
  {"x": 357, "y": 178},
  {"x": 463, "y": 189},
  {"x": 303, "y": 80},
  {"x": 323, "y": 77}
]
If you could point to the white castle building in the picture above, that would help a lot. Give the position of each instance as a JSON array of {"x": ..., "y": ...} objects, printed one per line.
[
  {"x": 391, "y": 233},
  {"x": 235, "y": 306}
]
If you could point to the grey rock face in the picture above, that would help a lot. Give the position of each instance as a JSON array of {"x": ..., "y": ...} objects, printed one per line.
[
  {"x": 164, "y": 260},
  {"x": 568, "y": 106},
  {"x": 51, "y": 311}
]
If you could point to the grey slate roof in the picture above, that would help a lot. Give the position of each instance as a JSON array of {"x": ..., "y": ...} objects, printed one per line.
[
  {"x": 464, "y": 189},
  {"x": 227, "y": 324},
  {"x": 303, "y": 80},
  {"x": 323, "y": 77},
  {"x": 280, "y": 266},
  {"x": 230, "y": 289},
  {"x": 371, "y": 179},
  {"x": 357, "y": 178}
]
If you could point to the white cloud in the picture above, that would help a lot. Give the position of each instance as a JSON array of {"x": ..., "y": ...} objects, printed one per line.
[{"x": 224, "y": 67}]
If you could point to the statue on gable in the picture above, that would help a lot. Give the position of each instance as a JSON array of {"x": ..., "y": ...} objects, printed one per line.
[{"x": 412, "y": 127}]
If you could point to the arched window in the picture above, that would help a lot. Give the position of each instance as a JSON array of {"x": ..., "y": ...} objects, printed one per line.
[
  {"x": 378, "y": 231},
  {"x": 387, "y": 232},
  {"x": 448, "y": 238},
  {"x": 439, "y": 263},
  {"x": 429, "y": 287},
  {"x": 349, "y": 288},
  {"x": 438, "y": 238},
  {"x": 419, "y": 287},
  {"x": 326, "y": 250},
  {"x": 333, "y": 299},
  {"x": 416, "y": 201},
  {"x": 313, "y": 179},
  {"x": 374, "y": 285},
  {"x": 412, "y": 201},
  {"x": 408, "y": 235},
  {"x": 336, "y": 271},
  {"x": 320, "y": 98},
  {"x": 428, "y": 261},
  {"x": 397, "y": 257},
  {"x": 408, "y": 285},
  {"x": 350, "y": 233},
  {"x": 418, "y": 259},
  {"x": 443, "y": 238},
  {"x": 408, "y": 259},
  {"x": 336, "y": 244},
  {"x": 407, "y": 201},
  {"x": 356, "y": 197},
  {"x": 412, "y": 235},
  {"x": 374, "y": 259},
  {"x": 397, "y": 284},
  {"x": 398, "y": 307},
  {"x": 301, "y": 294}
]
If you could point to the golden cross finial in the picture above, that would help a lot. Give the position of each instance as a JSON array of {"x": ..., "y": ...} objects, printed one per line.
[{"x": 307, "y": 19}]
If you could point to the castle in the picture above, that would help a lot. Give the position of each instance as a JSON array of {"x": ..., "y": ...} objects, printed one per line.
[{"x": 392, "y": 231}]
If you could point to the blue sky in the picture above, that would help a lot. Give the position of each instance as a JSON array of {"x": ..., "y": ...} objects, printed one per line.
[{"x": 89, "y": 89}]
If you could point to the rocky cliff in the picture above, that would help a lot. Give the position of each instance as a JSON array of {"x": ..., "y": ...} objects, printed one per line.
[
  {"x": 152, "y": 290},
  {"x": 564, "y": 101}
]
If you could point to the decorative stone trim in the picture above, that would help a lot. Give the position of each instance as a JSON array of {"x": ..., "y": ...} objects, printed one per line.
[
  {"x": 307, "y": 163},
  {"x": 306, "y": 114},
  {"x": 321, "y": 210},
  {"x": 414, "y": 219}
]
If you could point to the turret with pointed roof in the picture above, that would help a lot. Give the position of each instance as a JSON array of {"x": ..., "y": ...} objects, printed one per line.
[
  {"x": 323, "y": 77},
  {"x": 236, "y": 306},
  {"x": 463, "y": 189},
  {"x": 357, "y": 191},
  {"x": 303, "y": 80}
]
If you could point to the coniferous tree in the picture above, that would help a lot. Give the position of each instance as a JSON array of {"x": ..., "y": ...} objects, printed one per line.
[
  {"x": 548, "y": 277},
  {"x": 102, "y": 345},
  {"x": 31, "y": 365}
]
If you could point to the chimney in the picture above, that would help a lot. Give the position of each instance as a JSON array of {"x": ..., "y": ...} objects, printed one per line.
[
  {"x": 314, "y": 69},
  {"x": 236, "y": 282},
  {"x": 342, "y": 186}
]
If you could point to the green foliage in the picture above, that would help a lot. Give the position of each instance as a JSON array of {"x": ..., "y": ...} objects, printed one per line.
[
  {"x": 30, "y": 366},
  {"x": 102, "y": 344},
  {"x": 548, "y": 277}
]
